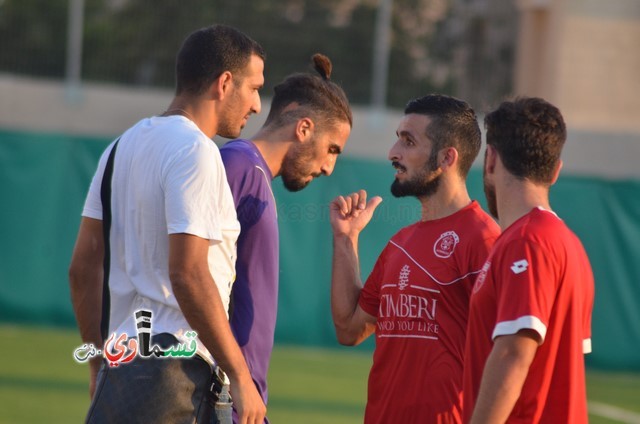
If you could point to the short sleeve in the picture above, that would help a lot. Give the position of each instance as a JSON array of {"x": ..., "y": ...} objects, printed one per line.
[
  {"x": 235, "y": 166},
  {"x": 527, "y": 288},
  {"x": 250, "y": 186},
  {"x": 193, "y": 182},
  {"x": 93, "y": 203}
]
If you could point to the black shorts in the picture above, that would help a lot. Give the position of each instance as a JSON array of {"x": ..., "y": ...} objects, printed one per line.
[{"x": 155, "y": 390}]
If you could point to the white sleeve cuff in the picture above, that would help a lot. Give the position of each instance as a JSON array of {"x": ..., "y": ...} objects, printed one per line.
[
  {"x": 530, "y": 322},
  {"x": 586, "y": 346}
]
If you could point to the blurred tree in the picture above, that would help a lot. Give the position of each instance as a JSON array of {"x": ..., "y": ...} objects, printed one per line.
[
  {"x": 459, "y": 47},
  {"x": 33, "y": 37},
  {"x": 135, "y": 42},
  {"x": 475, "y": 48}
]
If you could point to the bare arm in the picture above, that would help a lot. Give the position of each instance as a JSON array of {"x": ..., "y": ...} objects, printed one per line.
[
  {"x": 349, "y": 216},
  {"x": 504, "y": 375},
  {"x": 200, "y": 302},
  {"x": 85, "y": 281}
]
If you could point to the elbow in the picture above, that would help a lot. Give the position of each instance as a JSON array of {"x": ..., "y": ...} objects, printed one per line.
[
  {"x": 72, "y": 274},
  {"x": 347, "y": 341},
  {"x": 346, "y": 337},
  {"x": 179, "y": 278},
  {"x": 81, "y": 275},
  {"x": 183, "y": 280}
]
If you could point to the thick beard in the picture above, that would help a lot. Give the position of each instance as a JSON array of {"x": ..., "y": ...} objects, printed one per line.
[
  {"x": 292, "y": 184},
  {"x": 416, "y": 187},
  {"x": 295, "y": 167},
  {"x": 424, "y": 184}
]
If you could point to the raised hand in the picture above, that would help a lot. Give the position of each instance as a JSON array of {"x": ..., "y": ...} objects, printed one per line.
[{"x": 350, "y": 214}]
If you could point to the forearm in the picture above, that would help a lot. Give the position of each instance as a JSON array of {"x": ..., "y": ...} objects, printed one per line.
[
  {"x": 199, "y": 300},
  {"x": 85, "y": 283},
  {"x": 86, "y": 279},
  {"x": 504, "y": 375},
  {"x": 86, "y": 297},
  {"x": 345, "y": 289}
]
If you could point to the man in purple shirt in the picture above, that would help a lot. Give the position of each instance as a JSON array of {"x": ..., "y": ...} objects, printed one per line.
[{"x": 307, "y": 127}]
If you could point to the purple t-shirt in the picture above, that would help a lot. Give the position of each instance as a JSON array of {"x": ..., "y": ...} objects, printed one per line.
[{"x": 254, "y": 300}]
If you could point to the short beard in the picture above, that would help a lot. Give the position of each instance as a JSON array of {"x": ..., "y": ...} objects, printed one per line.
[
  {"x": 425, "y": 184},
  {"x": 490, "y": 194},
  {"x": 228, "y": 132}
]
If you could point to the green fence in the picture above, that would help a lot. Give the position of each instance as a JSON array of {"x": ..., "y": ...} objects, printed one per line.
[{"x": 44, "y": 178}]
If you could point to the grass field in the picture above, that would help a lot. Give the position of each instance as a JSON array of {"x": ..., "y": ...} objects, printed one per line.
[{"x": 40, "y": 382}]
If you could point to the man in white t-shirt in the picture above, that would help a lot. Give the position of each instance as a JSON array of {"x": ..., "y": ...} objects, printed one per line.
[{"x": 172, "y": 242}]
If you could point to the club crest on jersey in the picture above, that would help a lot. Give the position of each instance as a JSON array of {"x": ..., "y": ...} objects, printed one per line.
[
  {"x": 403, "y": 278},
  {"x": 445, "y": 245}
]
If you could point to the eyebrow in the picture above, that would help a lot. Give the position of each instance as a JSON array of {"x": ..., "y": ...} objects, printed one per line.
[
  {"x": 405, "y": 133},
  {"x": 335, "y": 148}
]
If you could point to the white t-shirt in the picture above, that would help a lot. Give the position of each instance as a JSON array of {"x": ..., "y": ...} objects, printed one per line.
[{"x": 168, "y": 178}]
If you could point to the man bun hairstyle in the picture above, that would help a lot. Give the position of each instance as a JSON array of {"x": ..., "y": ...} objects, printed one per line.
[
  {"x": 208, "y": 52},
  {"x": 528, "y": 133},
  {"x": 453, "y": 124},
  {"x": 323, "y": 65},
  {"x": 316, "y": 96}
]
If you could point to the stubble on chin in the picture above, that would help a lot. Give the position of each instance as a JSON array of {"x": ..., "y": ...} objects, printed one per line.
[{"x": 492, "y": 201}]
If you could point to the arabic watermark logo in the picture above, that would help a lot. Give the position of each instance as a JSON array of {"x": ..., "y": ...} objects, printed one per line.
[{"x": 122, "y": 350}]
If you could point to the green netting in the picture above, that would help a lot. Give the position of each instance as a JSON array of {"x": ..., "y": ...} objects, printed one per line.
[{"x": 44, "y": 178}]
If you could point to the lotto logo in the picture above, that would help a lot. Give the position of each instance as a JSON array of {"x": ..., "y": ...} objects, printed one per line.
[{"x": 519, "y": 266}]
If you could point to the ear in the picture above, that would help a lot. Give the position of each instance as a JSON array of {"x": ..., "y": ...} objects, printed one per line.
[
  {"x": 556, "y": 172},
  {"x": 304, "y": 129},
  {"x": 222, "y": 85},
  {"x": 490, "y": 158},
  {"x": 447, "y": 157}
]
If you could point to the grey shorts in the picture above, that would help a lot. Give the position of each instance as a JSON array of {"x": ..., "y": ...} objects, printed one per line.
[{"x": 154, "y": 390}]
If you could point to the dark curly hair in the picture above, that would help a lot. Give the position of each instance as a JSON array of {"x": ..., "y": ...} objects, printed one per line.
[
  {"x": 208, "y": 52},
  {"x": 317, "y": 96},
  {"x": 528, "y": 133}
]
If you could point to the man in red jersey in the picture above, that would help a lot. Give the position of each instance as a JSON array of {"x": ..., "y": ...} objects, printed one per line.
[
  {"x": 530, "y": 313},
  {"x": 416, "y": 298}
]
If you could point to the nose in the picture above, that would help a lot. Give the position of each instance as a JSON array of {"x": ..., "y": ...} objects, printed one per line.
[
  {"x": 394, "y": 153},
  {"x": 328, "y": 166},
  {"x": 257, "y": 106}
]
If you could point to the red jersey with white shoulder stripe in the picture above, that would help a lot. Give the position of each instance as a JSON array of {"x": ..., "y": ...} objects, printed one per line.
[
  {"x": 419, "y": 292},
  {"x": 537, "y": 277}
]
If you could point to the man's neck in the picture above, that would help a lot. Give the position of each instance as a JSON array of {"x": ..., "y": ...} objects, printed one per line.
[
  {"x": 516, "y": 198},
  {"x": 446, "y": 201},
  {"x": 195, "y": 111},
  {"x": 273, "y": 147}
]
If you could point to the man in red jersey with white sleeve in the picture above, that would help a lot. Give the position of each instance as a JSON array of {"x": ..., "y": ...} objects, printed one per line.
[
  {"x": 417, "y": 297},
  {"x": 530, "y": 313}
]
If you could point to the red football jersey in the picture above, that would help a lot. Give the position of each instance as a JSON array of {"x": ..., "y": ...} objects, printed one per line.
[
  {"x": 419, "y": 292},
  {"x": 537, "y": 277}
]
